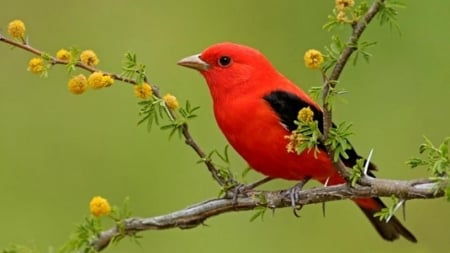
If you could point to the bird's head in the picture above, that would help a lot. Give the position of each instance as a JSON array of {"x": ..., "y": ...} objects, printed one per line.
[{"x": 230, "y": 67}]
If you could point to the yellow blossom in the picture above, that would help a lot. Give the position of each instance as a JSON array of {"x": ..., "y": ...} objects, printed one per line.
[
  {"x": 295, "y": 139},
  {"x": 64, "y": 55},
  {"x": 143, "y": 90},
  {"x": 344, "y": 4},
  {"x": 313, "y": 59},
  {"x": 108, "y": 80},
  {"x": 171, "y": 101},
  {"x": 305, "y": 114},
  {"x": 16, "y": 28},
  {"x": 36, "y": 65},
  {"x": 341, "y": 17},
  {"x": 89, "y": 57},
  {"x": 99, "y": 80},
  {"x": 77, "y": 84},
  {"x": 99, "y": 206}
]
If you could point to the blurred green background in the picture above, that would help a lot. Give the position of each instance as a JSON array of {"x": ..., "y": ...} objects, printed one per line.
[{"x": 57, "y": 150}]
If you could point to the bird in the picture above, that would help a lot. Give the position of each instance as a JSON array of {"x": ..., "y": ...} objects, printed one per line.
[{"x": 255, "y": 107}]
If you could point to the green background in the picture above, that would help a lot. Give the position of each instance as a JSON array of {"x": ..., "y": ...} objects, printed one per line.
[{"x": 57, "y": 150}]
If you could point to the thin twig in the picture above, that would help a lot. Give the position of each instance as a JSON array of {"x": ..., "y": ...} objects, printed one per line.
[
  {"x": 331, "y": 81},
  {"x": 208, "y": 163},
  {"x": 189, "y": 140}
]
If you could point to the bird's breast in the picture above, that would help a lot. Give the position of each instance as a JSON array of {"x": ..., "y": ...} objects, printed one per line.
[{"x": 255, "y": 131}]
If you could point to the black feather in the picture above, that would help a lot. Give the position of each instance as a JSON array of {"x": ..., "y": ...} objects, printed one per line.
[{"x": 286, "y": 105}]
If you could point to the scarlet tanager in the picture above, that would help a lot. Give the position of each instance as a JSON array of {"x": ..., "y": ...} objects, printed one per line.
[{"x": 255, "y": 106}]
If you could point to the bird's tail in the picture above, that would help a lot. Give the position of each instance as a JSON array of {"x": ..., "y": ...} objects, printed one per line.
[{"x": 390, "y": 230}]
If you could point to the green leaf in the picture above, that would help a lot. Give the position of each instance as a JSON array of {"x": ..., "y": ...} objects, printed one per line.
[
  {"x": 357, "y": 171},
  {"x": 360, "y": 9},
  {"x": 315, "y": 92},
  {"x": 388, "y": 13},
  {"x": 361, "y": 50},
  {"x": 386, "y": 213},
  {"x": 132, "y": 69},
  {"x": 305, "y": 137},
  {"x": 333, "y": 52},
  {"x": 245, "y": 172},
  {"x": 260, "y": 211},
  {"x": 338, "y": 140},
  {"x": 437, "y": 159}
]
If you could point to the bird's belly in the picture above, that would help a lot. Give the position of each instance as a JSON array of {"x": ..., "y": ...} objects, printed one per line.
[{"x": 265, "y": 151}]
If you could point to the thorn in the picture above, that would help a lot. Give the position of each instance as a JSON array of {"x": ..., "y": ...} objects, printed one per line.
[
  {"x": 323, "y": 203},
  {"x": 326, "y": 182},
  {"x": 366, "y": 166},
  {"x": 323, "y": 209},
  {"x": 404, "y": 210}
]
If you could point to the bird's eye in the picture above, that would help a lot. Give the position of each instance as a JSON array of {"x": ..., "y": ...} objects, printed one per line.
[{"x": 224, "y": 61}]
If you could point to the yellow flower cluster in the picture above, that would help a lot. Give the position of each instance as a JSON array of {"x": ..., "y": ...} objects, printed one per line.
[
  {"x": 64, "y": 55},
  {"x": 99, "y": 80},
  {"x": 344, "y": 4},
  {"x": 36, "y": 65},
  {"x": 16, "y": 29},
  {"x": 77, "y": 84},
  {"x": 313, "y": 59},
  {"x": 143, "y": 91},
  {"x": 89, "y": 58},
  {"x": 99, "y": 206},
  {"x": 305, "y": 114},
  {"x": 294, "y": 140},
  {"x": 171, "y": 101}
]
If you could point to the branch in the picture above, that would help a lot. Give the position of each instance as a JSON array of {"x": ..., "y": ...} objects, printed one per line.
[
  {"x": 195, "y": 215},
  {"x": 189, "y": 140},
  {"x": 54, "y": 61},
  {"x": 330, "y": 82}
]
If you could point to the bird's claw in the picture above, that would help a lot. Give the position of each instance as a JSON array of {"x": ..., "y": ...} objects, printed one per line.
[
  {"x": 293, "y": 194},
  {"x": 240, "y": 189}
]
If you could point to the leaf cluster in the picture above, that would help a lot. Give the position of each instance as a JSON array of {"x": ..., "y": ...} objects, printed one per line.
[
  {"x": 437, "y": 158},
  {"x": 132, "y": 69},
  {"x": 81, "y": 239},
  {"x": 338, "y": 140},
  {"x": 357, "y": 171},
  {"x": 261, "y": 209},
  {"x": 306, "y": 137},
  {"x": 388, "y": 13},
  {"x": 180, "y": 121},
  {"x": 386, "y": 213},
  {"x": 223, "y": 167},
  {"x": 155, "y": 109}
]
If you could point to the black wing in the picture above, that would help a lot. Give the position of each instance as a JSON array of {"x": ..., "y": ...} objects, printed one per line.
[{"x": 286, "y": 105}]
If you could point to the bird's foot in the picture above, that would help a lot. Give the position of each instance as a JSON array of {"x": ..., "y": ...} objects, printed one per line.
[
  {"x": 293, "y": 194},
  {"x": 243, "y": 188}
]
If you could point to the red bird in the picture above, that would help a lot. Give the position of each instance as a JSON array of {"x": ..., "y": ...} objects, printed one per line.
[{"x": 255, "y": 107}]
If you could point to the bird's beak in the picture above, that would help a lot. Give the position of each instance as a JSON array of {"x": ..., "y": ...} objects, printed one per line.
[{"x": 194, "y": 62}]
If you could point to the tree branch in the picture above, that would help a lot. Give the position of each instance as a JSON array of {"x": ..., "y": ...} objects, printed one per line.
[
  {"x": 189, "y": 140},
  {"x": 195, "y": 215},
  {"x": 331, "y": 81}
]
